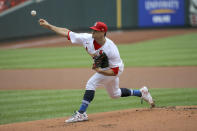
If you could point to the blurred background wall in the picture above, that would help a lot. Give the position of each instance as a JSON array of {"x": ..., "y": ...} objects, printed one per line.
[{"x": 77, "y": 15}]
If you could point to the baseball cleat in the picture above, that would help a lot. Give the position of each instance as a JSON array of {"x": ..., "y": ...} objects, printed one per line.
[
  {"x": 147, "y": 96},
  {"x": 77, "y": 117}
]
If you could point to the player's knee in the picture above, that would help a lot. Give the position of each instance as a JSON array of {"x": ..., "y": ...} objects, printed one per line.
[
  {"x": 116, "y": 94},
  {"x": 90, "y": 85}
]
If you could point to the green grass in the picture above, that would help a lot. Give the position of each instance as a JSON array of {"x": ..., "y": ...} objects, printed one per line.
[
  {"x": 44, "y": 58},
  {"x": 173, "y": 51},
  {"x": 27, "y": 105}
]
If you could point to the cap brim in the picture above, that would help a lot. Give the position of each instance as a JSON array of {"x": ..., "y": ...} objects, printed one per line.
[{"x": 94, "y": 28}]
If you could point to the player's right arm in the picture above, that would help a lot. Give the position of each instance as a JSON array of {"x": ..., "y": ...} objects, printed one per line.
[{"x": 58, "y": 30}]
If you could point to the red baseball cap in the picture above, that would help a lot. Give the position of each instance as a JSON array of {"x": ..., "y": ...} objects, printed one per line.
[{"x": 99, "y": 26}]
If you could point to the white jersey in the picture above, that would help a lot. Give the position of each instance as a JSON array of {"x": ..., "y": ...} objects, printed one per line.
[{"x": 109, "y": 48}]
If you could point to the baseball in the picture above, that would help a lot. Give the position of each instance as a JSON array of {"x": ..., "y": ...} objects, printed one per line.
[{"x": 33, "y": 12}]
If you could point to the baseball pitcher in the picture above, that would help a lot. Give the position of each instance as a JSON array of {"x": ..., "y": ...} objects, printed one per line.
[{"x": 106, "y": 62}]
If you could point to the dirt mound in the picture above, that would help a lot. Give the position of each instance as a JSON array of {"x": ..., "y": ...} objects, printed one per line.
[{"x": 157, "y": 119}]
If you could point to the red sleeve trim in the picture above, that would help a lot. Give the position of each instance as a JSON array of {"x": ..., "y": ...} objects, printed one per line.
[
  {"x": 115, "y": 70},
  {"x": 69, "y": 35}
]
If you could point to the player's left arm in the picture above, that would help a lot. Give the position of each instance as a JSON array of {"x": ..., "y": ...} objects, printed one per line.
[{"x": 108, "y": 72}]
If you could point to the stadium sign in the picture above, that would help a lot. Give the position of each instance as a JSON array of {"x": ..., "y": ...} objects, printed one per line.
[{"x": 161, "y": 13}]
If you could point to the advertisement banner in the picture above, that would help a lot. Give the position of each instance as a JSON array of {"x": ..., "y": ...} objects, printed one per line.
[
  {"x": 161, "y": 13},
  {"x": 193, "y": 12}
]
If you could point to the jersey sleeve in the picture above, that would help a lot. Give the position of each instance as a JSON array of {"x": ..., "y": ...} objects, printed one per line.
[
  {"x": 114, "y": 59},
  {"x": 78, "y": 38}
]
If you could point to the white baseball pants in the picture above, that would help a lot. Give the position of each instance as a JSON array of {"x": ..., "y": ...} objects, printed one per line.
[{"x": 111, "y": 83}]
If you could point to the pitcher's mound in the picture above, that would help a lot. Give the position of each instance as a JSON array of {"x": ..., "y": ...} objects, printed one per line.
[{"x": 157, "y": 119}]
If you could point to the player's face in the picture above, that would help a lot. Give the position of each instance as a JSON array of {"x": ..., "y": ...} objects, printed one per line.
[{"x": 97, "y": 34}]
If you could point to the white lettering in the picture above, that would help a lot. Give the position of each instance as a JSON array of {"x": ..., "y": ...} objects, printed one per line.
[
  {"x": 161, "y": 19},
  {"x": 165, "y": 4}
]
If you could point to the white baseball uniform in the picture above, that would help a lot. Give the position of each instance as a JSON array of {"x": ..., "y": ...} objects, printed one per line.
[{"x": 111, "y": 83}]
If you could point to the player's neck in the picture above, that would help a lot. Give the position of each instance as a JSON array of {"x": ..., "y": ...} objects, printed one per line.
[{"x": 101, "y": 41}]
